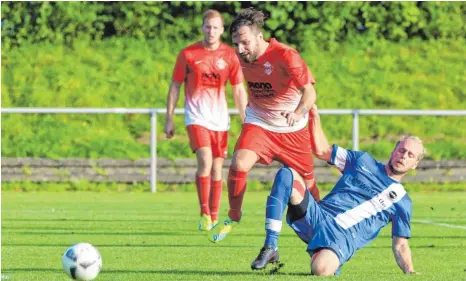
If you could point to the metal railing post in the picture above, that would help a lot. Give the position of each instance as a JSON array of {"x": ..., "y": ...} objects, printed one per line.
[
  {"x": 153, "y": 151},
  {"x": 355, "y": 129}
]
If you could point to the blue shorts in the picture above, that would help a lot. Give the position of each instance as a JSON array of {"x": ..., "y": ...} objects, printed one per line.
[{"x": 318, "y": 229}]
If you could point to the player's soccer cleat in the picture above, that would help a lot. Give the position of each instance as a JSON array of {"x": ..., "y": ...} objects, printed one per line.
[
  {"x": 206, "y": 223},
  {"x": 266, "y": 255},
  {"x": 214, "y": 223},
  {"x": 221, "y": 230}
]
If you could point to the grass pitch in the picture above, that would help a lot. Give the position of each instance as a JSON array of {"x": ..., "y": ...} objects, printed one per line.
[{"x": 144, "y": 236}]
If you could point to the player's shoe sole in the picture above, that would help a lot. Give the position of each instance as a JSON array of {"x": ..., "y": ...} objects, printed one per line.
[{"x": 220, "y": 231}]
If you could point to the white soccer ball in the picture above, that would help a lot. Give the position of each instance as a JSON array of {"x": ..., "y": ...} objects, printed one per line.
[{"x": 82, "y": 261}]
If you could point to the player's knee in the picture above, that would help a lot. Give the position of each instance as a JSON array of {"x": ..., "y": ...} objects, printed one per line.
[
  {"x": 283, "y": 181},
  {"x": 241, "y": 164},
  {"x": 297, "y": 207},
  {"x": 243, "y": 160},
  {"x": 204, "y": 160},
  {"x": 204, "y": 167},
  {"x": 284, "y": 175},
  {"x": 321, "y": 268},
  {"x": 216, "y": 171},
  {"x": 324, "y": 263}
]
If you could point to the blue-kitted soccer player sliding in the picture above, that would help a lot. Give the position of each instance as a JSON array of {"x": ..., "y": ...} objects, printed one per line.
[{"x": 366, "y": 198}]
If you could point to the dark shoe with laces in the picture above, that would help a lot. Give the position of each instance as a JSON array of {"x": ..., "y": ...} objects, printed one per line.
[{"x": 266, "y": 255}]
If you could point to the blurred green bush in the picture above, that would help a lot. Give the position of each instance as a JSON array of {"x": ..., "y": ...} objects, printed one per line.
[
  {"x": 130, "y": 72},
  {"x": 386, "y": 55},
  {"x": 301, "y": 24}
]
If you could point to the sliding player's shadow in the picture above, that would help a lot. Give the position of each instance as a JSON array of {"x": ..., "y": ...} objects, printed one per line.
[{"x": 163, "y": 271}]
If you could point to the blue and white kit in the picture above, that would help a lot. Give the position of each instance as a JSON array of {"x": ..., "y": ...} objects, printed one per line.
[{"x": 364, "y": 200}]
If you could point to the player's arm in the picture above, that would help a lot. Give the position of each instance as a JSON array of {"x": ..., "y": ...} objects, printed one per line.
[
  {"x": 302, "y": 77},
  {"x": 402, "y": 254},
  {"x": 236, "y": 80},
  {"x": 179, "y": 75},
  {"x": 319, "y": 142},
  {"x": 308, "y": 99},
  {"x": 241, "y": 100},
  {"x": 172, "y": 100}
]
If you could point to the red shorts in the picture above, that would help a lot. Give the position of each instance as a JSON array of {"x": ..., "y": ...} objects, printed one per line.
[
  {"x": 200, "y": 136},
  {"x": 291, "y": 149}
]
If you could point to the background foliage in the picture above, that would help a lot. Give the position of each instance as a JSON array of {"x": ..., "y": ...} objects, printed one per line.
[
  {"x": 298, "y": 23},
  {"x": 390, "y": 55}
]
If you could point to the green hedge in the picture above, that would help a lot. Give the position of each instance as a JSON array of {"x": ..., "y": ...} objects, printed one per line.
[
  {"x": 125, "y": 72},
  {"x": 302, "y": 24}
]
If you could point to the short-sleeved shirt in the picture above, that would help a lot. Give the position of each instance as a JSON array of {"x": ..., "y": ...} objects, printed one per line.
[
  {"x": 274, "y": 81},
  {"x": 365, "y": 199},
  {"x": 205, "y": 74}
]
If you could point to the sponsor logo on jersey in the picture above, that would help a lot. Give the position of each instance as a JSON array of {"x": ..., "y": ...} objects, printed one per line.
[
  {"x": 268, "y": 68},
  {"x": 211, "y": 79},
  {"x": 392, "y": 195},
  {"x": 260, "y": 85},
  {"x": 366, "y": 170},
  {"x": 261, "y": 90},
  {"x": 221, "y": 64}
]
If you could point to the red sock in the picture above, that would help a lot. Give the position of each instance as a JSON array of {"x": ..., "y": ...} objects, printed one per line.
[
  {"x": 314, "y": 191},
  {"x": 215, "y": 197},
  {"x": 203, "y": 193},
  {"x": 236, "y": 189}
]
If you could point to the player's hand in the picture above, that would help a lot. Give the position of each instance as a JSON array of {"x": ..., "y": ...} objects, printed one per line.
[
  {"x": 313, "y": 112},
  {"x": 169, "y": 129},
  {"x": 291, "y": 117}
]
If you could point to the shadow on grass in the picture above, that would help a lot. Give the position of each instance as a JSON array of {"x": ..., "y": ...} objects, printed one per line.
[
  {"x": 164, "y": 271},
  {"x": 184, "y": 233},
  {"x": 92, "y": 220},
  {"x": 210, "y": 245},
  {"x": 207, "y": 245}
]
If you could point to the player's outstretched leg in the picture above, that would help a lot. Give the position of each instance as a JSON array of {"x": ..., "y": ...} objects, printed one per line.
[
  {"x": 276, "y": 204},
  {"x": 236, "y": 190},
  {"x": 266, "y": 255}
]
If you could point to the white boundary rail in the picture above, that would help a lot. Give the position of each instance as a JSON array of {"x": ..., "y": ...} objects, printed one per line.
[{"x": 153, "y": 112}]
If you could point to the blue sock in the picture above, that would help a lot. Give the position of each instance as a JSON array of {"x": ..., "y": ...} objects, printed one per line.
[{"x": 276, "y": 204}]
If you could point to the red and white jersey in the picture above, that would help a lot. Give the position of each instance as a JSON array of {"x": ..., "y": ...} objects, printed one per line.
[
  {"x": 274, "y": 82},
  {"x": 205, "y": 74}
]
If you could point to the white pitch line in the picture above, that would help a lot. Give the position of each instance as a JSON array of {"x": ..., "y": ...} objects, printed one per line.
[{"x": 440, "y": 224}]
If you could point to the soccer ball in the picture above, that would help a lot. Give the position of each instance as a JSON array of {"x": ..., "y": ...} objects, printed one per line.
[{"x": 82, "y": 261}]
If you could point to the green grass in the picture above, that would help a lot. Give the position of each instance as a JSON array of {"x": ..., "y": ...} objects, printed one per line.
[{"x": 144, "y": 236}]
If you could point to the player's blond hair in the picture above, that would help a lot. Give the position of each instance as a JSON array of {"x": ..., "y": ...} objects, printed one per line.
[
  {"x": 248, "y": 17},
  {"x": 416, "y": 139},
  {"x": 210, "y": 14}
]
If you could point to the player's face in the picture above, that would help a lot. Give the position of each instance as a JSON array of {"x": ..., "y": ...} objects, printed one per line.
[
  {"x": 406, "y": 156},
  {"x": 212, "y": 29},
  {"x": 246, "y": 43}
]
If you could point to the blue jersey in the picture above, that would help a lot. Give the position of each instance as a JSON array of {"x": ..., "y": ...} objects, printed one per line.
[{"x": 365, "y": 199}]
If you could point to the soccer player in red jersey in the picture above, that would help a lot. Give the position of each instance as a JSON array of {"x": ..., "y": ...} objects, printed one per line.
[
  {"x": 280, "y": 94},
  {"x": 205, "y": 67}
]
